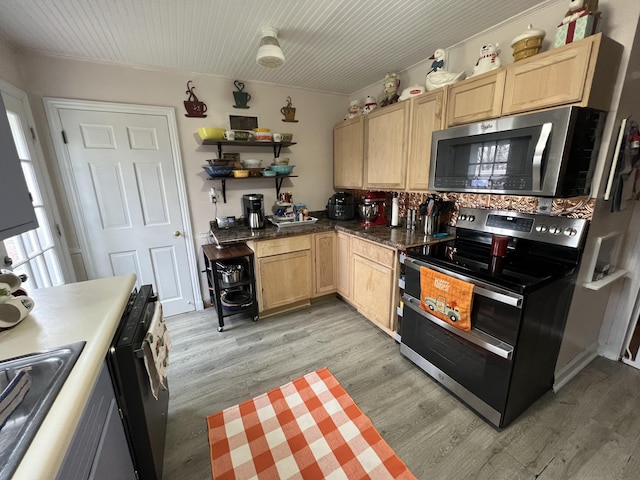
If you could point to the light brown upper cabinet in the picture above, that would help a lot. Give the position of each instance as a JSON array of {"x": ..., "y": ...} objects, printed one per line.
[
  {"x": 426, "y": 116},
  {"x": 581, "y": 73},
  {"x": 477, "y": 98},
  {"x": 348, "y": 153},
  {"x": 386, "y": 147}
]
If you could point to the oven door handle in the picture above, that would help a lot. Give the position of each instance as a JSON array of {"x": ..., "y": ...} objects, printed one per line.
[
  {"x": 513, "y": 300},
  {"x": 477, "y": 337},
  {"x": 536, "y": 172}
]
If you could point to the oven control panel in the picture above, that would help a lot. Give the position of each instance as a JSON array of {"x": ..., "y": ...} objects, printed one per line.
[{"x": 563, "y": 231}]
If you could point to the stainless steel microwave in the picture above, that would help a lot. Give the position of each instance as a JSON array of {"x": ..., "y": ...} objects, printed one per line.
[{"x": 551, "y": 153}]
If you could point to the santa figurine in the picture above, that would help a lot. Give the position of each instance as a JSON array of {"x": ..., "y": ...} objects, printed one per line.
[
  {"x": 354, "y": 110},
  {"x": 579, "y": 8}
]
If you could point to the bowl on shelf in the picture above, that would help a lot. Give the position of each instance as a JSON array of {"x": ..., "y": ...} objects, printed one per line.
[
  {"x": 267, "y": 172},
  {"x": 241, "y": 173},
  {"x": 263, "y": 137},
  {"x": 209, "y": 133},
  {"x": 218, "y": 171},
  {"x": 244, "y": 135},
  {"x": 287, "y": 137},
  {"x": 281, "y": 161},
  {"x": 255, "y": 172},
  {"x": 261, "y": 130},
  {"x": 282, "y": 169},
  {"x": 214, "y": 162},
  {"x": 251, "y": 163}
]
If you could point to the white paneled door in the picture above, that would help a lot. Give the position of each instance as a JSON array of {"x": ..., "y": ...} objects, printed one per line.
[{"x": 126, "y": 186}]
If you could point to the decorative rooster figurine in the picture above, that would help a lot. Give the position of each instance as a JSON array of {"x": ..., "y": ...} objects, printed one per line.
[{"x": 437, "y": 77}]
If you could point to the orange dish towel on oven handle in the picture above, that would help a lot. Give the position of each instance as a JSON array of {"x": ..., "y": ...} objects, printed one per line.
[{"x": 447, "y": 298}]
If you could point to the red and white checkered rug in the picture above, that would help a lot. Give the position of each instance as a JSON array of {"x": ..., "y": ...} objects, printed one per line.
[{"x": 307, "y": 429}]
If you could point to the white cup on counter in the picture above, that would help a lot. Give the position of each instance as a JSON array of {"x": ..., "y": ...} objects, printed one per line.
[
  {"x": 230, "y": 135},
  {"x": 277, "y": 137}
]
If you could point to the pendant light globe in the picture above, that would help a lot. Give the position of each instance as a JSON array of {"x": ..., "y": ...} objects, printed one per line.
[{"x": 269, "y": 53}]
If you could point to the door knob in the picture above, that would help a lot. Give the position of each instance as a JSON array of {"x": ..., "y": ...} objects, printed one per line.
[{"x": 176, "y": 233}]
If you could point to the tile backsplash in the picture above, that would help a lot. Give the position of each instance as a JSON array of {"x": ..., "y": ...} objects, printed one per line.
[{"x": 575, "y": 207}]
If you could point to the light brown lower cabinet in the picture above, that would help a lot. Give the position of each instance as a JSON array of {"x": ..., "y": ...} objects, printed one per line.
[
  {"x": 324, "y": 263},
  {"x": 343, "y": 276},
  {"x": 284, "y": 279},
  {"x": 372, "y": 279}
]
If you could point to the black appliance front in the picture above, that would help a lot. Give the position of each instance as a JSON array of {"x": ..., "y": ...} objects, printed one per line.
[
  {"x": 341, "y": 206},
  {"x": 552, "y": 153},
  {"x": 144, "y": 417},
  {"x": 507, "y": 361}
]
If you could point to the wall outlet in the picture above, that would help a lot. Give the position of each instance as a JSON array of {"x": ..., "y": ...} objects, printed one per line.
[
  {"x": 545, "y": 205},
  {"x": 213, "y": 198}
]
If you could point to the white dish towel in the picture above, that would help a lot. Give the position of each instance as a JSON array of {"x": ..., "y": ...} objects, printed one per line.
[{"x": 156, "y": 346}]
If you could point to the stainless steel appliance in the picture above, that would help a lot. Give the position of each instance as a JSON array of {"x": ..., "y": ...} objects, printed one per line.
[
  {"x": 521, "y": 297},
  {"x": 253, "y": 210},
  {"x": 548, "y": 154},
  {"x": 341, "y": 206},
  {"x": 143, "y": 416}
]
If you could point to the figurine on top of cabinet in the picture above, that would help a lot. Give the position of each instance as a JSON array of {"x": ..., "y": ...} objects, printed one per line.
[
  {"x": 369, "y": 104},
  {"x": 488, "y": 60},
  {"x": 354, "y": 110},
  {"x": 438, "y": 77},
  {"x": 579, "y": 8},
  {"x": 391, "y": 84},
  {"x": 581, "y": 21}
]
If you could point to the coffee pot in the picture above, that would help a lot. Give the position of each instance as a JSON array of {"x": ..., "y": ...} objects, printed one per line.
[{"x": 253, "y": 210}]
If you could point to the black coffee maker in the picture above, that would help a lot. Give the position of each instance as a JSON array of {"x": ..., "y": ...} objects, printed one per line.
[{"x": 253, "y": 210}]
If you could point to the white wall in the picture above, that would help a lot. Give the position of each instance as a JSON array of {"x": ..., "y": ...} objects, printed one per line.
[
  {"x": 316, "y": 113},
  {"x": 9, "y": 71}
]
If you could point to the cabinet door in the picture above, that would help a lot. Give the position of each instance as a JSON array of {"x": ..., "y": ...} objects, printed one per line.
[
  {"x": 343, "y": 280},
  {"x": 557, "y": 78},
  {"x": 426, "y": 117},
  {"x": 475, "y": 99},
  {"x": 18, "y": 215},
  {"x": 284, "y": 279},
  {"x": 373, "y": 290},
  {"x": 348, "y": 153},
  {"x": 324, "y": 272},
  {"x": 386, "y": 135}
]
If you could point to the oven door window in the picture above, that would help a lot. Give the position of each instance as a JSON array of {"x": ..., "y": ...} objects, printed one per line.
[{"x": 494, "y": 161}]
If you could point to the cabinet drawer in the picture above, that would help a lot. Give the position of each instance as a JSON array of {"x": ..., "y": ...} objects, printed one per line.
[
  {"x": 277, "y": 246},
  {"x": 376, "y": 253}
]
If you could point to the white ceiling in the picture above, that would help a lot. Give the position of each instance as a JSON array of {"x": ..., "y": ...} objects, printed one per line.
[{"x": 336, "y": 46}]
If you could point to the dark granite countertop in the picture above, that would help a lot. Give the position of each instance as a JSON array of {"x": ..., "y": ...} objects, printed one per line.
[{"x": 399, "y": 238}]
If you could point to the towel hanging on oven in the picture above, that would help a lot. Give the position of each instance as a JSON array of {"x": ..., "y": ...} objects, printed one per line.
[
  {"x": 447, "y": 298},
  {"x": 155, "y": 347}
]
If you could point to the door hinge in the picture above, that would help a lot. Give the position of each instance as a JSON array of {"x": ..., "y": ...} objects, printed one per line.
[
  {"x": 58, "y": 231},
  {"x": 33, "y": 134},
  {"x": 64, "y": 137}
]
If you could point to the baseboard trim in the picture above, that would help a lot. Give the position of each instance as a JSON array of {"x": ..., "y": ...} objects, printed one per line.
[{"x": 575, "y": 366}]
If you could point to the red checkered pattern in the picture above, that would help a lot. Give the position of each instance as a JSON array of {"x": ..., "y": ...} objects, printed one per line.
[{"x": 307, "y": 429}]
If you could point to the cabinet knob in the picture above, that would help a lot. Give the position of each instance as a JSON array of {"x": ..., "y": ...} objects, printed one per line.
[{"x": 176, "y": 233}]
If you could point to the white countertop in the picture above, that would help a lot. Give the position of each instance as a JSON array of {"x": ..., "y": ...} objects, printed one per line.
[{"x": 85, "y": 311}]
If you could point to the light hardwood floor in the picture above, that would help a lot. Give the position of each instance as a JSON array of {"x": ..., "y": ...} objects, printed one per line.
[{"x": 588, "y": 430}]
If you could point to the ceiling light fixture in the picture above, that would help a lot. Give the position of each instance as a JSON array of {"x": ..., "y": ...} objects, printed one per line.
[{"x": 270, "y": 54}]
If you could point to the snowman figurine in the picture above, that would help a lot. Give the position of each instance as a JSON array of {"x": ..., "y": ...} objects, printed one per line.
[
  {"x": 488, "y": 60},
  {"x": 369, "y": 104}
]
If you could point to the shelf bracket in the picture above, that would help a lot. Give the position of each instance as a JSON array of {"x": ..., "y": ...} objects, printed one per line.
[
  {"x": 276, "y": 149},
  {"x": 220, "y": 155},
  {"x": 279, "y": 181},
  {"x": 224, "y": 188}
]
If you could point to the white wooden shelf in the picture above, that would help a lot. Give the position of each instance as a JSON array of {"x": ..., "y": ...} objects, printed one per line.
[{"x": 606, "y": 280}]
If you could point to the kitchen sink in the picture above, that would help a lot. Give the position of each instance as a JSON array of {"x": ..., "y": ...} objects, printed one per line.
[{"x": 48, "y": 371}]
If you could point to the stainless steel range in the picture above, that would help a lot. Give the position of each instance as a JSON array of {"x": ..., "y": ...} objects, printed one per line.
[{"x": 523, "y": 270}]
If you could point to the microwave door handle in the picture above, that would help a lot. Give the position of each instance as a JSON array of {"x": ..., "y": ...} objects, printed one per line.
[{"x": 537, "y": 155}]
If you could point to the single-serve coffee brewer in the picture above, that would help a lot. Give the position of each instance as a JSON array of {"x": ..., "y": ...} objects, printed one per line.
[{"x": 253, "y": 210}]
